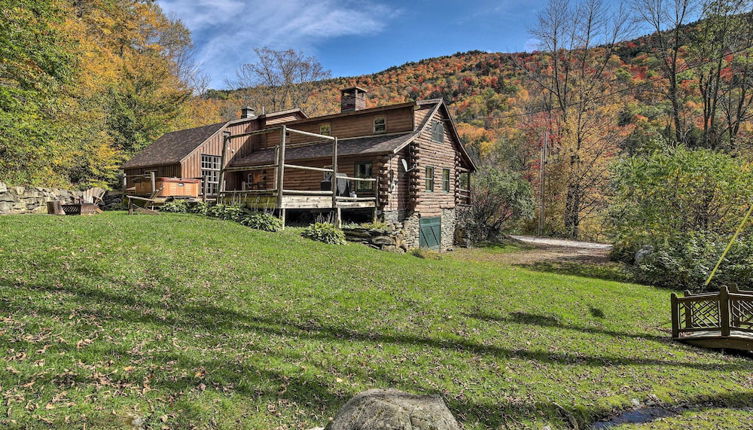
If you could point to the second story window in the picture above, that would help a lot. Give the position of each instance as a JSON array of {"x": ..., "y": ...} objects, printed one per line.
[
  {"x": 325, "y": 129},
  {"x": 437, "y": 132},
  {"x": 446, "y": 180},
  {"x": 429, "y": 179},
  {"x": 380, "y": 125}
]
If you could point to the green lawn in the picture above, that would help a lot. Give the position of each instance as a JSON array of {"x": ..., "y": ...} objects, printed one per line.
[{"x": 180, "y": 320}]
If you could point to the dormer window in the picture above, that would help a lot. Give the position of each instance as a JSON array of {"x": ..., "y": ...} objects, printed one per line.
[
  {"x": 380, "y": 125},
  {"x": 325, "y": 129},
  {"x": 437, "y": 132}
]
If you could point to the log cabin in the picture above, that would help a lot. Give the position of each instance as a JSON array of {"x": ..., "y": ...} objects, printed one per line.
[{"x": 404, "y": 163}]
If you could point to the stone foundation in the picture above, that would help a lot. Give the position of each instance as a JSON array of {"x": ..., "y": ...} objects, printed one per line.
[
  {"x": 24, "y": 200},
  {"x": 448, "y": 229},
  {"x": 409, "y": 225}
]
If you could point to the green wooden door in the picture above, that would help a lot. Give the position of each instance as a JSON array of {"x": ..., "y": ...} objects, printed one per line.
[{"x": 430, "y": 232}]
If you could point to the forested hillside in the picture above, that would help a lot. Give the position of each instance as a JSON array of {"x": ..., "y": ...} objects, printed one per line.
[
  {"x": 85, "y": 84},
  {"x": 588, "y": 104}
]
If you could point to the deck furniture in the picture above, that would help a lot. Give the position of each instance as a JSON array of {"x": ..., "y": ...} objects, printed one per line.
[
  {"x": 94, "y": 195},
  {"x": 720, "y": 320}
]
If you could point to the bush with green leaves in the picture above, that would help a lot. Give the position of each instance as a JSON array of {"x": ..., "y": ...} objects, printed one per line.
[
  {"x": 175, "y": 206},
  {"x": 500, "y": 199},
  {"x": 226, "y": 212},
  {"x": 674, "y": 211},
  {"x": 684, "y": 262},
  {"x": 199, "y": 208},
  {"x": 262, "y": 221},
  {"x": 324, "y": 232}
]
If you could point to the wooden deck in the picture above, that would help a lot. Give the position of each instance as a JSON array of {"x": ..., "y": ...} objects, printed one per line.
[
  {"x": 282, "y": 199},
  {"x": 722, "y": 320}
]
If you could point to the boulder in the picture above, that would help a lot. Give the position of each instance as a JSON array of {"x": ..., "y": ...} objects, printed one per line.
[
  {"x": 3, "y": 188},
  {"x": 393, "y": 410}
]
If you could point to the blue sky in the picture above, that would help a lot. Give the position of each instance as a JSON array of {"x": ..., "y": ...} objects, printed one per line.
[{"x": 351, "y": 37}]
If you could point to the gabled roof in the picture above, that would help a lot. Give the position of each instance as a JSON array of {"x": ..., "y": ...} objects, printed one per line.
[
  {"x": 453, "y": 128},
  {"x": 171, "y": 148},
  {"x": 370, "y": 145}
]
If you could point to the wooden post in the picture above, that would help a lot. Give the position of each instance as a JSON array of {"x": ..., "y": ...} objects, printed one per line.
[
  {"x": 281, "y": 173},
  {"x": 675, "y": 317},
  {"x": 333, "y": 184},
  {"x": 221, "y": 184},
  {"x": 724, "y": 311},
  {"x": 152, "y": 176}
]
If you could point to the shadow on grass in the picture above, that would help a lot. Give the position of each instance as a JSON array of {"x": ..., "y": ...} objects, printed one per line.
[
  {"x": 548, "y": 321},
  {"x": 98, "y": 305},
  {"x": 583, "y": 267},
  {"x": 211, "y": 317}
]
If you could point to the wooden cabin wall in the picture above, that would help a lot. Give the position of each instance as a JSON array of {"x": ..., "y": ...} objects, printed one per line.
[
  {"x": 191, "y": 165},
  {"x": 304, "y": 180},
  {"x": 397, "y": 200},
  {"x": 169, "y": 171},
  {"x": 439, "y": 156},
  {"x": 356, "y": 125}
]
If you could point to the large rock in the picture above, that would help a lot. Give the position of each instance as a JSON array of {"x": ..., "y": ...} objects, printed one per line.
[{"x": 393, "y": 410}]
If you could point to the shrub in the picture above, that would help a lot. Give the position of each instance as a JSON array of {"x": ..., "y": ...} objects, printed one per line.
[
  {"x": 198, "y": 208},
  {"x": 685, "y": 261},
  {"x": 675, "y": 210},
  {"x": 676, "y": 192},
  {"x": 324, "y": 232},
  {"x": 262, "y": 221},
  {"x": 500, "y": 198},
  {"x": 226, "y": 212},
  {"x": 176, "y": 206}
]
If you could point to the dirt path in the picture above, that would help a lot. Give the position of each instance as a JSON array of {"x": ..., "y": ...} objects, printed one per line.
[{"x": 543, "y": 250}]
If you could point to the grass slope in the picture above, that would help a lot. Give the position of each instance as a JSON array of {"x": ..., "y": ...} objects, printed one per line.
[{"x": 178, "y": 320}]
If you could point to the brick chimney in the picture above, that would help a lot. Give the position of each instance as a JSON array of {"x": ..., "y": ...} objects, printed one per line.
[
  {"x": 352, "y": 99},
  {"x": 247, "y": 112}
]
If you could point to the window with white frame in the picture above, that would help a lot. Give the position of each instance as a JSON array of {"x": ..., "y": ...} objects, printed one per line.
[
  {"x": 380, "y": 125},
  {"x": 429, "y": 179},
  {"x": 446, "y": 180},
  {"x": 210, "y": 173}
]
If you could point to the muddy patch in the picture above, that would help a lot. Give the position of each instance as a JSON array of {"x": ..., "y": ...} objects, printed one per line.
[{"x": 635, "y": 416}]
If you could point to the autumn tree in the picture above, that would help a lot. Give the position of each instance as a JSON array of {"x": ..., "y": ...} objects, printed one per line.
[
  {"x": 668, "y": 20},
  {"x": 720, "y": 54},
  {"x": 279, "y": 80},
  {"x": 573, "y": 74}
]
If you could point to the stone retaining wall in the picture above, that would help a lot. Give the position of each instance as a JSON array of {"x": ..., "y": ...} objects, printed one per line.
[
  {"x": 384, "y": 239},
  {"x": 24, "y": 200}
]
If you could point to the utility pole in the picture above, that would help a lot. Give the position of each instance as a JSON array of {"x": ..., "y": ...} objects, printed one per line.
[{"x": 542, "y": 175}]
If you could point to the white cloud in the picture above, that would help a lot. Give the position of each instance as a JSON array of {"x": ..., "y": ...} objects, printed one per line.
[
  {"x": 226, "y": 31},
  {"x": 531, "y": 44}
]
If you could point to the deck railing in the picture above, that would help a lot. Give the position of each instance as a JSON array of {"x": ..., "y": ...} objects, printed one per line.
[
  {"x": 724, "y": 312},
  {"x": 280, "y": 165}
]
